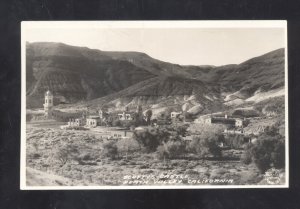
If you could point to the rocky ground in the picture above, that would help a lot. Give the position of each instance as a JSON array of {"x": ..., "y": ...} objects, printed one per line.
[{"x": 45, "y": 169}]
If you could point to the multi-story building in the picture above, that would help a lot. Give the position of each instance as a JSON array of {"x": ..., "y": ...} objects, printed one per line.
[{"x": 236, "y": 122}]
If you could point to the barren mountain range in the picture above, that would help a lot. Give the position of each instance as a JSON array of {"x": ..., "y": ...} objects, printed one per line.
[{"x": 92, "y": 77}]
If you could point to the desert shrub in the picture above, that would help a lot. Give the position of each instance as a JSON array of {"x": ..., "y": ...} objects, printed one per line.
[
  {"x": 127, "y": 124},
  {"x": 110, "y": 149},
  {"x": 65, "y": 153},
  {"x": 188, "y": 116},
  {"x": 162, "y": 152},
  {"x": 145, "y": 166},
  {"x": 145, "y": 172},
  {"x": 150, "y": 139},
  {"x": 171, "y": 149},
  {"x": 174, "y": 148},
  {"x": 28, "y": 117},
  {"x": 272, "y": 131},
  {"x": 246, "y": 157},
  {"x": 131, "y": 163},
  {"x": 81, "y": 128},
  {"x": 182, "y": 163},
  {"x": 278, "y": 155},
  {"x": 122, "y": 162},
  {"x": 203, "y": 130},
  {"x": 206, "y": 146},
  {"x": 221, "y": 171},
  {"x": 191, "y": 164},
  {"x": 117, "y": 169},
  {"x": 181, "y": 130},
  {"x": 191, "y": 172},
  {"x": 174, "y": 163},
  {"x": 127, "y": 146},
  {"x": 266, "y": 153},
  {"x": 234, "y": 141},
  {"x": 34, "y": 155},
  {"x": 86, "y": 156},
  {"x": 116, "y": 123},
  {"x": 147, "y": 140}
]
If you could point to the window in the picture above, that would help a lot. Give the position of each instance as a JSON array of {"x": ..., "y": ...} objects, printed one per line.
[{"x": 49, "y": 100}]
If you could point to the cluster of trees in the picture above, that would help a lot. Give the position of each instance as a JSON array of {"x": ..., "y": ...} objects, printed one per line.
[
  {"x": 110, "y": 150},
  {"x": 125, "y": 124},
  {"x": 169, "y": 143},
  {"x": 171, "y": 149},
  {"x": 234, "y": 141},
  {"x": 206, "y": 146},
  {"x": 150, "y": 138},
  {"x": 267, "y": 152},
  {"x": 64, "y": 116}
]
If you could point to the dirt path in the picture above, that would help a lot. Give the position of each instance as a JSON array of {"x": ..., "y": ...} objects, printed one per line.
[{"x": 39, "y": 178}]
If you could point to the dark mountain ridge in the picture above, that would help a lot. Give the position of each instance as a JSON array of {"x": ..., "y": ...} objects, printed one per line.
[{"x": 77, "y": 74}]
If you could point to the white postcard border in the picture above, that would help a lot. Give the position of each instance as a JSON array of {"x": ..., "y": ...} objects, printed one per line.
[{"x": 145, "y": 24}]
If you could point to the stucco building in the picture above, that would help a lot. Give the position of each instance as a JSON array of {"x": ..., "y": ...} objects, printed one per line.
[{"x": 92, "y": 121}]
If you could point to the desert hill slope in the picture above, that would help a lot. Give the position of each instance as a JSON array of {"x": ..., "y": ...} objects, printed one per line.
[{"x": 80, "y": 74}]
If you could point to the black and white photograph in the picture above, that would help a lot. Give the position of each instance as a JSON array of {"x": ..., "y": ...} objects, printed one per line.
[{"x": 154, "y": 105}]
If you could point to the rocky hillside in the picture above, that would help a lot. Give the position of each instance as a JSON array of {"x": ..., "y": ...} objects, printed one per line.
[
  {"x": 94, "y": 77},
  {"x": 74, "y": 73}
]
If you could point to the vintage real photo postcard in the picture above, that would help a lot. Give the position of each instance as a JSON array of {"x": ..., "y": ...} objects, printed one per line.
[{"x": 154, "y": 104}]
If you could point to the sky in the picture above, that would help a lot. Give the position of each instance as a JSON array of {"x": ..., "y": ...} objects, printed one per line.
[{"x": 184, "y": 46}]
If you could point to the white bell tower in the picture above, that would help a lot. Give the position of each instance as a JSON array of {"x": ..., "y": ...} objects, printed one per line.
[{"x": 48, "y": 105}]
